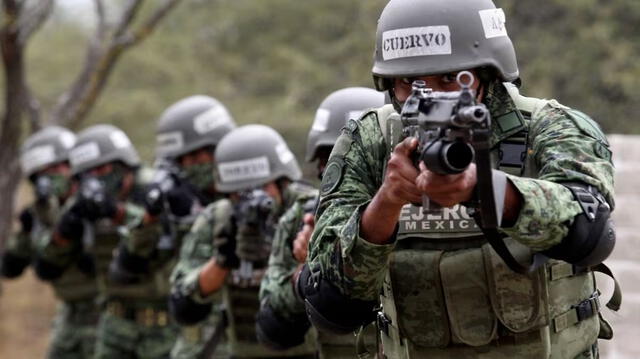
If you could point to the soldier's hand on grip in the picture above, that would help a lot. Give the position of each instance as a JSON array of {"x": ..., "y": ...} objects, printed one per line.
[
  {"x": 93, "y": 201},
  {"x": 225, "y": 256},
  {"x": 399, "y": 185},
  {"x": 180, "y": 201},
  {"x": 447, "y": 190}
]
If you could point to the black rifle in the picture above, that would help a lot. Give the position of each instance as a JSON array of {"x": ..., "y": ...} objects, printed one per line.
[
  {"x": 453, "y": 131},
  {"x": 254, "y": 209},
  {"x": 447, "y": 125}
]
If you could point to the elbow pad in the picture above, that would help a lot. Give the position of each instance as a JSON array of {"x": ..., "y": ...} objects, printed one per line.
[
  {"x": 13, "y": 266},
  {"x": 278, "y": 334},
  {"x": 46, "y": 270},
  {"x": 592, "y": 234},
  {"x": 186, "y": 311},
  {"x": 329, "y": 309}
]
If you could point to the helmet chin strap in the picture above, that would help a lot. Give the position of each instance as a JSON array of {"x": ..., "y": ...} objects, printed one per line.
[{"x": 394, "y": 100}]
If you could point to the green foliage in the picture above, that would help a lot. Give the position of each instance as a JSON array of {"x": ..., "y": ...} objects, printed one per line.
[{"x": 274, "y": 61}]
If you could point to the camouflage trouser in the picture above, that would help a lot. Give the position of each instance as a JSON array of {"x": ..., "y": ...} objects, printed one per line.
[
  {"x": 193, "y": 339},
  {"x": 74, "y": 330},
  {"x": 122, "y": 338}
]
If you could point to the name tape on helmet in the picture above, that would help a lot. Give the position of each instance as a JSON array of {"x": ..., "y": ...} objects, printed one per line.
[
  {"x": 84, "y": 153},
  {"x": 210, "y": 120},
  {"x": 493, "y": 23},
  {"x": 416, "y": 41},
  {"x": 243, "y": 170},
  {"x": 37, "y": 157},
  {"x": 284, "y": 153},
  {"x": 120, "y": 140},
  {"x": 321, "y": 122},
  {"x": 169, "y": 142}
]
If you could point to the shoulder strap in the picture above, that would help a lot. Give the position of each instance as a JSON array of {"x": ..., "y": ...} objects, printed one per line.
[
  {"x": 383, "y": 113},
  {"x": 523, "y": 103}
]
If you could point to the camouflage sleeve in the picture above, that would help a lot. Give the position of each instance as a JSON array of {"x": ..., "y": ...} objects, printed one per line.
[
  {"x": 352, "y": 176},
  {"x": 566, "y": 146},
  {"x": 197, "y": 248},
  {"x": 276, "y": 287}
]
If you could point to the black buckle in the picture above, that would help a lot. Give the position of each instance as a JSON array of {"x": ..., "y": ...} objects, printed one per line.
[
  {"x": 383, "y": 323},
  {"x": 588, "y": 307}
]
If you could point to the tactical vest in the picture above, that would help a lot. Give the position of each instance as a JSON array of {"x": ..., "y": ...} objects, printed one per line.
[
  {"x": 241, "y": 303},
  {"x": 75, "y": 284},
  {"x": 103, "y": 238},
  {"x": 447, "y": 294}
]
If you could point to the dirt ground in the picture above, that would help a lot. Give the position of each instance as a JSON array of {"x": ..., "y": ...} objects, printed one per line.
[{"x": 27, "y": 305}]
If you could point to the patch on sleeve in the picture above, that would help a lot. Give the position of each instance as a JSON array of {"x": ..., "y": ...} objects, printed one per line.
[
  {"x": 591, "y": 128},
  {"x": 332, "y": 176}
]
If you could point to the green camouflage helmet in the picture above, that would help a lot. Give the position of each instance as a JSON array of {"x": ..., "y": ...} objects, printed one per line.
[
  {"x": 191, "y": 123},
  {"x": 334, "y": 112},
  {"x": 426, "y": 37},
  {"x": 44, "y": 148},
  {"x": 102, "y": 144},
  {"x": 251, "y": 156}
]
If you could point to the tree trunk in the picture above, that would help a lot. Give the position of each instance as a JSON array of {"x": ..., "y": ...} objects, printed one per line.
[{"x": 13, "y": 62}]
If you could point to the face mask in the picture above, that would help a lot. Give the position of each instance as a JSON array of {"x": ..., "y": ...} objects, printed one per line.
[
  {"x": 56, "y": 185},
  {"x": 112, "y": 181},
  {"x": 200, "y": 175}
]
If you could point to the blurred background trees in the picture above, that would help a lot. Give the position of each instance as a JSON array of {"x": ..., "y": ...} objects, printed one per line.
[{"x": 273, "y": 61}]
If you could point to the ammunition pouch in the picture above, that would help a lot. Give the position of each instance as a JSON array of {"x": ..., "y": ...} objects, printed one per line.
[
  {"x": 469, "y": 298},
  {"x": 148, "y": 316}
]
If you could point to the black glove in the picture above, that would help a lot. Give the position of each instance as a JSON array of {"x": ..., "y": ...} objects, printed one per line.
[
  {"x": 154, "y": 200},
  {"x": 180, "y": 201},
  {"x": 26, "y": 221},
  {"x": 93, "y": 202},
  {"x": 226, "y": 251},
  {"x": 70, "y": 225}
]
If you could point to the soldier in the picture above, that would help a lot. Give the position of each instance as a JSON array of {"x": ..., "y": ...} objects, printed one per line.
[
  {"x": 445, "y": 292},
  {"x": 45, "y": 162},
  {"x": 106, "y": 208},
  {"x": 282, "y": 322},
  {"x": 228, "y": 247},
  {"x": 187, "y": 134}
]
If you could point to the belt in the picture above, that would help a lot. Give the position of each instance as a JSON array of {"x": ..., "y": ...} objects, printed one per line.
[{"x": 146, "y": 316}]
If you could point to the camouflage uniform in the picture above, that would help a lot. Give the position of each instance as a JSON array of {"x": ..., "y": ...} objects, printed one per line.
[
  {"x": 74, "y": 327},
  {"x": 198, "y": 248},
  {"x": 277, "y": 290},
  {"x": 490, "y": 311},
  {"x": 136, "y": 321},
  {"x": 44, "y": 161}
]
